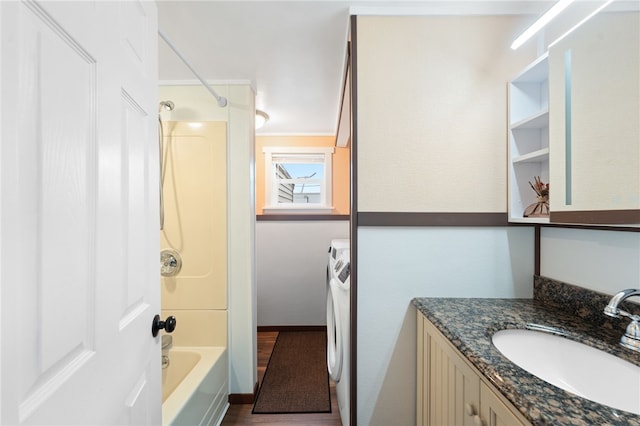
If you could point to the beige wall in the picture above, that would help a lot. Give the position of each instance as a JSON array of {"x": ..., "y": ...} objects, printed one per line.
[
  {"x": 340, "y": 164},
  {"x": 432, "y": 112}
]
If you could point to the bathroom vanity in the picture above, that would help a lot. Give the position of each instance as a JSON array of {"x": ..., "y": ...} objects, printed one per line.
[
  {"x": 451, "y": 391},
  {"x": 463, "y": 379}
]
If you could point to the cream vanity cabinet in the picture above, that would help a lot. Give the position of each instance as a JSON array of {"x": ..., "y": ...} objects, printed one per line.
[
  {"x": 594, "y": 121},
  {"x": 452, "y": 392}
]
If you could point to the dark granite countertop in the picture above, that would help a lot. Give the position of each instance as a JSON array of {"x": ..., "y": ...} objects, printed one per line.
[{"x": 469, "y": 324}]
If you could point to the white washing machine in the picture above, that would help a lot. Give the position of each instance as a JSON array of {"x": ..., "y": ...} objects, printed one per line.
[
  {"x": 337, "y": 250},
  {"x": 338, "y": 324}
]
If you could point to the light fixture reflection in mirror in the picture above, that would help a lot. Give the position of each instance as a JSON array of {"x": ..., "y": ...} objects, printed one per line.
[
  {"x": 541, "y": 22},
  {"x": 591, "y": 15},
  {"x": 261, "y": 118}
]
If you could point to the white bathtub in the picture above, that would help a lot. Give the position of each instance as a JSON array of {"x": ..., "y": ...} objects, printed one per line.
[{"x": 195, "y": 386}]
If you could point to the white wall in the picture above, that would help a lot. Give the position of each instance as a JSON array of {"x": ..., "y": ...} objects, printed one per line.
[
  {"x": 292, "y": 266},
  {"x": 397, "y": 264},
  {"x": 2, "y": 36},
  {"x": 243, "y": 374},
  {"x": 604, "y": 261}
]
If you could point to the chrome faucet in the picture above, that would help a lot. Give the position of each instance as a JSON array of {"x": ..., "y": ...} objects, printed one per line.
[
  {"x": 167, "y": 341},
  {"x": 631, "y": 337}
]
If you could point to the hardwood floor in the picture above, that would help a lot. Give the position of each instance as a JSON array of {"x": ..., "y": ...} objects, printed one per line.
[{"x": 240, "y": 414}]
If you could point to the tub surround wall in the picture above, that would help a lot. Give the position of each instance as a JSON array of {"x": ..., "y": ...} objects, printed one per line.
[
  {"x": 195, "y": 225},
  {"x": 199, "y": 327}
]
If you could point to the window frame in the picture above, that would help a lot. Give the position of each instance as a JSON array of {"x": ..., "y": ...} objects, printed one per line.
[{"x": 271, "y": 197}]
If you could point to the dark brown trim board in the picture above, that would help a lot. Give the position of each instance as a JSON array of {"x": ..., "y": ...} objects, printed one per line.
[
  {"x": 262, "y": 328},
  {"x": 592, "y": 227},
  {"x": 300, "y": 217},
  {"x": 597, "y": 217},
  {"x": 536, "y": 251},
  {"x": 243, "y": 398},
  {"x": 431, "y": 219},
  {"x": 353, "y": 305}
]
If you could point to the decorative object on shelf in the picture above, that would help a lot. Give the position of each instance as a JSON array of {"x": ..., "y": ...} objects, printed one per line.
[{"x": 541, "y": 207}]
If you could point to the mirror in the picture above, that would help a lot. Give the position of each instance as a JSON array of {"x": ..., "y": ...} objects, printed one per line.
[{"x": 594, "y": 121}]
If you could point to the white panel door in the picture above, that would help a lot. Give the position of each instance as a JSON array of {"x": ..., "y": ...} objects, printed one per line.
[{"x": 79, "y": 213}]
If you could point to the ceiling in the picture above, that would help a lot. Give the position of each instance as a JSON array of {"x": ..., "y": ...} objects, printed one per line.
[{"x": 292, "y": 52}]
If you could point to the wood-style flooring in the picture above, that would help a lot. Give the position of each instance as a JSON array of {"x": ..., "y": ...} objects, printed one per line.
[{"x": 240, "y": 414}]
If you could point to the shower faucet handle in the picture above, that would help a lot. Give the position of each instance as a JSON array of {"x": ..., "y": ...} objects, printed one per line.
[
  {"x": 170, "y": 262},
  {"x": 168, "y": 325}
]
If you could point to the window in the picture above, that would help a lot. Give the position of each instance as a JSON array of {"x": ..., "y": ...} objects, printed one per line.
[{"x": 297, "y": 178}]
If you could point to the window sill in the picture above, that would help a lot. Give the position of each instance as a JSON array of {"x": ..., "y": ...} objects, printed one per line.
[{"x": 297, "y": 210}]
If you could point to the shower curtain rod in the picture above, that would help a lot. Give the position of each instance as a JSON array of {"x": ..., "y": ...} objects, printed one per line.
[{"x": 222, "y": 101}]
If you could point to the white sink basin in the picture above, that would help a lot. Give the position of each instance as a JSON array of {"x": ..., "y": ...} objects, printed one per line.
[{"x": 575, "y": 367}]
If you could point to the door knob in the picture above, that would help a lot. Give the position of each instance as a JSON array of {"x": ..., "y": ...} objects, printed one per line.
[{"x": 168, "y": 325}]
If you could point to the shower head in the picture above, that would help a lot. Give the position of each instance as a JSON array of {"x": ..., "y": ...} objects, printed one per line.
[{"x": 167, "y": 105}]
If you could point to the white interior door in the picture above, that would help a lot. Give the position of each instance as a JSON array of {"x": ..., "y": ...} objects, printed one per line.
[{"x": 79, "y": 213}]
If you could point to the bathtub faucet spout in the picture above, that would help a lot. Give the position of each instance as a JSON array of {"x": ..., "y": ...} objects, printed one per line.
[{"x": 167, "y": 341}]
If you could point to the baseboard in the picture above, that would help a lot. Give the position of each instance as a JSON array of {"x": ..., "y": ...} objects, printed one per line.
[
  {"x": 292, "y": 328},
  {"x": 243, "y": 398}
]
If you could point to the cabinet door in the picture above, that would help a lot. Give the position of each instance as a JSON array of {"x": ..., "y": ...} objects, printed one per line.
[
  {"x": 453, "y": 390},
  {"x": 422, "y": 373},
  {"x": 494, "y": 412},
  {"x": 594, "y": 125}
]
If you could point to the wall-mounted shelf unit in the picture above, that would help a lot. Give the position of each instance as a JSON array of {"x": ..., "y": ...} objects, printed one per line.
[
  {"x": 537, "y": 120},
  {"x": 532, "y": 157},
  {"x": 528, "y": 137}
]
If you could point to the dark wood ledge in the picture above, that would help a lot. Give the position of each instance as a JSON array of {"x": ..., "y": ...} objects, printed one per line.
[
  {"x": 300, "y": 217},
  {"x": 431, "y": 219}
]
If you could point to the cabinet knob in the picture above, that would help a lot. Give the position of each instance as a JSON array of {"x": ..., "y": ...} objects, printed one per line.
[
  {"x": 469, "y": 409},
  {"x": 477, "y": 421}
]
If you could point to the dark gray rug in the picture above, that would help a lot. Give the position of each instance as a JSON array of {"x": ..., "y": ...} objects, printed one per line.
[{"x": 296, "y": 379}]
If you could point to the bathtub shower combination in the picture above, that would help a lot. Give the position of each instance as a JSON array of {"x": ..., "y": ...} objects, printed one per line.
[
  {"x": 194, "y": 385},
  {"x": 195, "y": 365}
]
